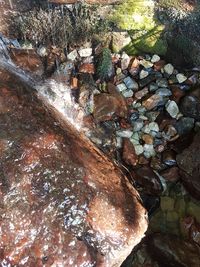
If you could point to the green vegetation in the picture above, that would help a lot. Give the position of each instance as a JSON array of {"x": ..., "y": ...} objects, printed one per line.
[{"x": 104, "y": 66}]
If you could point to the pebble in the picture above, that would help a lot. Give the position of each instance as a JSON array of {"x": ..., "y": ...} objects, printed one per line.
[
  {"x": 163, "y": 92},
  {"x": 155, "y": 58},
  {"x": 135, "y": 139},
  {"x": 137, "y": 126},
  {"x": 130, "y": 83},
  {"x": 153, "y": 87},
  {"x": 169, "y": 69},
  {"x": 125, "y": 61},
  {"x": 42, "y": 51},
  {"x": 134, "y": 116},
  {"x": 146, "y": 64},
  {"x": 162, "y": 82},
  {"x": 172, "y": 108},
  {"x": 181, "y": 77},
  {"x": 152, "y": 102},
  {"x": 127, "y": 93},
  {"x": 85, "y": 52},
  {"x": 140, "y": 94},
  {"x": 147, "y": 138},
  {"x": 143, "y": 74},
  {"x": 152, "y": 115},
  {"x": 149, "y": 151},
  {"x": 72, "y": 55},
  {"x": 184, "y": 125},
  {"x": 124, "y": 133},
  {"x": 169, "y": 157},
  {"x": 153, "y": 126},
  {"x": 121, "y": 87},
  {"x": 138, "y": 149}
]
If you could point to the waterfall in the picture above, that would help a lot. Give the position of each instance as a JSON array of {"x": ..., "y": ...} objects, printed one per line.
[{"x": 56, "y": 95}]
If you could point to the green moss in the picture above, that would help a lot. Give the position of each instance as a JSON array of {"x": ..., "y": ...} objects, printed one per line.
[
  {"x": 138, "y": 18},
  {"x": 178, "y": 4},
  {"x": 104, "y": 67}
]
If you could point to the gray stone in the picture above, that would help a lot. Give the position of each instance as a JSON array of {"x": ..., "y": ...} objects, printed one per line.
[
  {"x": 184, "y": 125},
  {"x": 127, "y": 93},
  {"x": 130, "y": 83},
  {"x": 149, "y": 151},
  {"x": 72, "y": 55},
  {"x": 137, "y": 125},
  {"x": 153, "y": 87},
  {"x": 181, "y": 77},
  {"x": 143, "y": 74},
  {"x": 121, "y": 87},
  {"x": 124, "y": 133},
  {"x": 163, "y": 92},
  {"x": 155, "y": 58},
  {"x": 85, "y": 52},
  {"x": 138, "y": 149},
  {"x": 169, "y": 69},
  {"x": 162, "y": 82},
  {"x": 172, "y": 108},
  {"x": 146, "y": 64}
]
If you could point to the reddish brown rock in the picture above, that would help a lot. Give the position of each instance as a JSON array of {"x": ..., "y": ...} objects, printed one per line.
[
  {"x": 107, "y": 106},
  {"x": 140, "y": 94},
  {"x": 171, "y": 174},
  {"x": 87, "y": 68},
  {"x": 152, "y": 101},
  {"x": 28, "y": 60},
  {"x": 129, "y": 155},
  {"x": 159, "y": 65},
  {"x": 189, "y": 162},
  {"x": 63, "y": 203}
]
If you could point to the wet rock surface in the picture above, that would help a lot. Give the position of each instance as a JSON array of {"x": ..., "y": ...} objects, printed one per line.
[{"x": 61, "y": 203}]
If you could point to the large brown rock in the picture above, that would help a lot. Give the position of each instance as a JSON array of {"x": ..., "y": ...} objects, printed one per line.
[
  {"x": 62, "y": 202},
  {"x": 189, "y": 162}
]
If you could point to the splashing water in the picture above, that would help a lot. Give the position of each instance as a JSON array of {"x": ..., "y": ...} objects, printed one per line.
[{"x": 55, "y": 94}]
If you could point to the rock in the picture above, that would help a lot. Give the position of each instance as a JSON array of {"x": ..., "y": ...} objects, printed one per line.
[
  {"x": 130, "y": 83},
  {"x": 169, "y": 157},
  {"x": 159, "y": 65},
  {"x": 120, "y": 40},
  {"x": 137, "y": 125},
  {"x": 124, "y": 133},
  {"x": 152, "y": 115},
  {"x": 147, "y": 138},
  {"x": 170, "y": 251},
  {"x": 152, "y": 102},
  {"x": 127, "y": 93},
  {"x": 87, "y": 68},
  {"x": 162, "y": 82},
  {"x": 125, "y": 61},
  {"x": 190, "y": 107},
  {"x": 42, "y": 51},
  {"x": 153, "y": 87},
  {"x": 184, "y": 125},
  {"x": 163, "y": 92},
  {"x": 143, "y": 74},
  {"x": 85, "y": 52},
  {"x": 135, "y": 139},
  {"x": 155, "y": 58},
  {"x": 28, "y": 60},
  {"x": 72, "y": 55},
  {"x": 107, "y": 106},
  {"x": 169, "y": 69},
  {"x": 149, "y": 79},
  {"x": 55, "y": 185},
  {"x": 153, "y": 126},
  {"x": 189, "y": 163},
  {"x": 140, "y": 94},
  {"x": 149, "y": 151},
  {"x": 181, "y": 78},
  {"x": 146, "y": 64},
  {"x": 172, "y": 108},
  {"x": 121, "y": 87},
  {"x": 134, "y": 116},
  {"x": 138, "y": 149},
  {"x": 146, "y": 178},
  {"x": 129, "y": 156},
  {"x": 177, "y": 93}
]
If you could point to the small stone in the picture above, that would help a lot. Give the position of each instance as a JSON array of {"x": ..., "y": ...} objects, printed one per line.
[
  {"x": 169, "y": 69},
  {"x": 184, "y": 125},
  {"x": 163, "y": 92},
  {"x": 129, "y": 156},
  {"x": 87, "y": 68},
  {"x": 148, "y": 139},
  {"x": 190, "y": 106},
  {"x": 127, "y": 93},
  {"x": 130, "y": 83},
  {"x": 138, "y": 149},
  {"x": 143, "y": 74},
  {"x": 85, "y": 52},
  {"x": 155, "y": 58},
  {"x": 121, "y": 87},
  {"x": 162, "y": 82},
  {"x": 135, "y": 138},
  {"x": 181, "y": 77},
  {"x": 172, "y": 108},
  {"x": 169, "y": 157},
  {"x": 153, "y": 87},
  {"x": 42, "y": 51},
  {"x": 152, "y": 115},
  {"x": 146, "y": 64},
  {"x": 153, "y": 126},
  {"x": 159, "y": 65},
  {"x": 144, "y": 118},
  {"x": 125, "y": 61},
  {"x": 137, "y": 125},
  {"x": 141, "y": 110},
  {"x": 152, "y": 102},
  {"x": 124, "y": 133},
  {"x": 149, "y": 151},
  {"x": 72, "y": 55},
  {"x": 140, "y": 94},
  {"x": 134, "y": 116}
]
